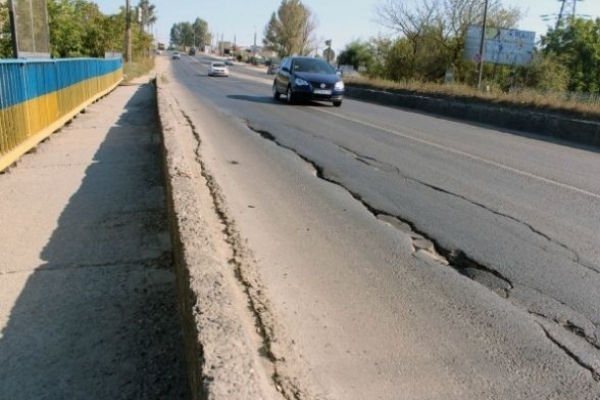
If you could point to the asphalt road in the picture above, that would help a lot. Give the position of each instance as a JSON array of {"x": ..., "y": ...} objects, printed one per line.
[{"x": 347, "y": 259}]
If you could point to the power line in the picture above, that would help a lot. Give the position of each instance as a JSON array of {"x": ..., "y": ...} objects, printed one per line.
[{"x": 568, "y": 8}]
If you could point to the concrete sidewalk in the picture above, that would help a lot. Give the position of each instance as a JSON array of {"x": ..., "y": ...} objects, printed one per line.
[{"x": 87, "y": 293}]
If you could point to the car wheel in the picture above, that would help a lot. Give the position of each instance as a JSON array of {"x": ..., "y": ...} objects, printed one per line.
[
  {"x": 276, "y": 94},
  {"x": 337, "y": 103},
  {"x": 290, "y": 96}
]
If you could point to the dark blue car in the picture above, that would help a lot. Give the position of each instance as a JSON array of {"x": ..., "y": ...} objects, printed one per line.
[{"x": 308, "y": 78}]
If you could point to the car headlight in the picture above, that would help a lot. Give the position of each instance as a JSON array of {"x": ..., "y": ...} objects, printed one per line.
[
  {"x": 300, "y": 82},
  {"x": 339, "y": 85}
]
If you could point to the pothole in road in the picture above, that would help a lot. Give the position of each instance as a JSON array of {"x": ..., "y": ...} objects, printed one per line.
[
  {"x": 423, "y": 246},
  {"x": 428, "y": 249}
]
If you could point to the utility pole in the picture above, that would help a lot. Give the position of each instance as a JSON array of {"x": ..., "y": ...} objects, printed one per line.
[
  {"x": 127, "y": 32},
  {"x": 254, "y": 48},
  {"x": 482, "y": 45}
]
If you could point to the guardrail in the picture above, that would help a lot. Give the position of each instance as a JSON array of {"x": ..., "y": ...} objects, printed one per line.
[{"x": 37, "y": 97}]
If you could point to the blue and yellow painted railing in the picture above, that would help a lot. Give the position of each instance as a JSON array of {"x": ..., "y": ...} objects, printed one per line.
[{"x": 37, "y": 97}]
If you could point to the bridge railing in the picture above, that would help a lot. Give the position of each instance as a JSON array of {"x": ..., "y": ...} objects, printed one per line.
[{"x": 37, "y": 97}]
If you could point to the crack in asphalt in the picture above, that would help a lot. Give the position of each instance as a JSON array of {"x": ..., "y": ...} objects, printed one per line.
[
  {"x": 288, "y": 386},
  {"x": 571, "y": 327},
  {"x": 573, "y": 356},
  {"x": 454, "y": 258},
  {"x": 374, "y": 163}
]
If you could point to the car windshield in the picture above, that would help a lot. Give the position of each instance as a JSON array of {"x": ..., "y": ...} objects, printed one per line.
[
  {"x": 313, "y": 65},
  {"x": 218, "y": 65}
]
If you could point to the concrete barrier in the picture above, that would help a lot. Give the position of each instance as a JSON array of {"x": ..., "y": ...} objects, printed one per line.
[{"x": 569, "y": 129}]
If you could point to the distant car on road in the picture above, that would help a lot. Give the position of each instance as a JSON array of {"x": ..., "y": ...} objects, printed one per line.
[
  {"x": 192, "y": 51},
  {"x": 176, "y": 55},
  {"x": 229, "y": 61},
  {"x": 218, "y": 68},
  {"x": 308, "y": 78}
]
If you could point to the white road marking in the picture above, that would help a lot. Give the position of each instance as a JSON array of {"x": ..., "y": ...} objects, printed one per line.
[
  {"x": 464, "y": 154},
  {"x": 445, "y": 148}
]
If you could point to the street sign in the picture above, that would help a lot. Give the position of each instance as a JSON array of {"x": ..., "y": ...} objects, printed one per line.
[{"x": 501, "y": 46}]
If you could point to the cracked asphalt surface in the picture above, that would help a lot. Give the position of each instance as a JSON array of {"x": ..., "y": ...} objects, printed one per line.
[
  {"x": 376, "y": 254},
  {"x": 411, "y": 195}
]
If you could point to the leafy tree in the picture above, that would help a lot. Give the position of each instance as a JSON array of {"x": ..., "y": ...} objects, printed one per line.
[
  {"x": 271, "y": 39},
  {"x": 79, "y": 29},
  {"x": 182, "y": 34},
  {"x": 545, "y": 72},
  {"x": 96, "y": 35},
  {"x": 576, "y": 45},
  {"x": 189, "y": 34},
  {"x": 66, "y": 29},
  {"x": 291, "y": 30},
  {"x": 147, "y": 15},
  {"x": 5, "y": 35},
  {"x": 113, "y": 28},
  {"x": 200, "y": 32},
  {"x": 357, "y": 54}
]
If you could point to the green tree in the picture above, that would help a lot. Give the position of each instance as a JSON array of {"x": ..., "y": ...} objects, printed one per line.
[
  {"x": 5, "y": 35},
  {"x": 147, "y": 15},
  {"x": 576, "y": 45},
  {"x": 95, "y": 38},
  {"x": 182, "y": 34},
  {"x": 291, "y": 30},
  {"x": 357, "y": 54},
  {"x": 79, "y": 29},
  {"x": 66, "y": 29},
  {"x": 545, "y": 72},
  {"x": 200, "y": 32}
]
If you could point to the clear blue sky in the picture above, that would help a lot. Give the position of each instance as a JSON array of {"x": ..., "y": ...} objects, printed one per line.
[{"x": 339, "y": 20}]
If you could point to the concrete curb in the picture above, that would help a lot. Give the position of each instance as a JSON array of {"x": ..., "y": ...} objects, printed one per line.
[
  {"x": 585, "y": 132},
  {"x": 221, "y": 362},
  {"x": 181, "y": 200}
]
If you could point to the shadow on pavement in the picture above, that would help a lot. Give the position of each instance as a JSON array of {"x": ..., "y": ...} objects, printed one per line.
[{"x": 99, "y": 319}]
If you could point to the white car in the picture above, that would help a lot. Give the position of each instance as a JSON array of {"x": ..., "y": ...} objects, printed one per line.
[{"x": 218, "y": 69}]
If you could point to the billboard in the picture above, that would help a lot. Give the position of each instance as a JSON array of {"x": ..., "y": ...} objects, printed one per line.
[
  {"x": 30, "y": 28},
  {"x": 501, "y": 46}
]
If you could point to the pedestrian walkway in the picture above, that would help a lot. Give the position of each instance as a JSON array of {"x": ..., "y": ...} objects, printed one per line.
[{"x": 87, "y": 294}]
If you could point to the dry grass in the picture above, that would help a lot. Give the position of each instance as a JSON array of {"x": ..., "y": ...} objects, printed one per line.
[
  {"x": 137, "y": 68},
  {"x": 530, "y": 99}
]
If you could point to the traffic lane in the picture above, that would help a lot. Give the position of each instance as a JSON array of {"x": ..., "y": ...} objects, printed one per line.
[
  {"x": 532, "y": 269},
  {"x": 495, "y": 192},
  {"x": 449, "y": 198},
  {"x": 370, "y": 319},
  {"x": 565, "y": 163},
  {"x": 574, "y": 167},
  {"x": 240, "y": 68}
]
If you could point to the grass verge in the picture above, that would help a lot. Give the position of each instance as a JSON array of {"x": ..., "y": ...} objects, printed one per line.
[
  {"x": 137, "y": 68},
  {"x": 562, "y": 103}
]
